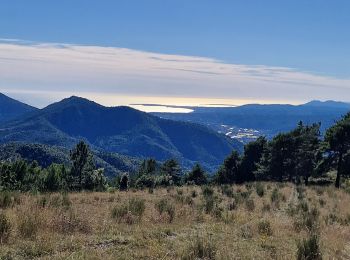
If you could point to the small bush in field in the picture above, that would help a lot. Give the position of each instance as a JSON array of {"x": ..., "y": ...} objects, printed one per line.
[
  {"x": 232, "y": 205},
  {"x": 250, "y": 205},
  {"x": 193, "y": 194},
  {"x": 164, "y": 206},
  {"x": 264, "y": 228},
  {"x": 137, "y": 207},
  {"x": 322, "y": 202},
  {"x": 275, "y": 195},
  {"x": 118, "y": 212},
  {"x": 307, "y": 220},
  {"x": 246, "y": 231},
  {"x": 43, "y": 201},
  {"x": 128, "y": 212},
  {"x": 28, "y": 225},
  {"x": 209, "y": 204},
  {"x": 266, "y": 207},
  {"x": 8, "y": 199},
  {"x": 227, "y": 190},
  {"x": 207, "y": 191},
  {"x": 60, "y": 200},
  {"x": 189, "y": 201},
  {"x": 260, "y": 189},
  {"x": 67, "y": 222},
  {"x": 202, "y": 247},
  {"x": 309, "y": 249},
  {"x": 5, "y": 228}
]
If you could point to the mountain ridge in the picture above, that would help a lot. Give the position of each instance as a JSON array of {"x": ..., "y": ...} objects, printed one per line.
[{"x": 119, "y": 129}]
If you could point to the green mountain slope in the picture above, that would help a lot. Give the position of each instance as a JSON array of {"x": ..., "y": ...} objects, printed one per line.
[{"x": 119, "y": 129}]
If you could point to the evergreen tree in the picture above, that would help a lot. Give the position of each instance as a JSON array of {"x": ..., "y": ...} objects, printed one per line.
[
  {"x": 253, "y": 153},
  {"x": 172, "y": 168},
  {"x": 197, "y": 176},
  {"x": 337, "y": 139},
  {"x": 81, "y": 164},
  {"x": 308, "y": 154},
  {"x": 229, "y": 171},
  {"x": 124, "y": 182}
]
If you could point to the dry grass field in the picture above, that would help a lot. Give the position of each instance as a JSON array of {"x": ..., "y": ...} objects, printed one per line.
[{"x": 256, "y": 221}]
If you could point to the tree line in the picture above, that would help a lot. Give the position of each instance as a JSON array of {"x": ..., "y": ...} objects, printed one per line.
[
  {"x": 293, "y": 156},
  {"x": 82, "y": 175}
]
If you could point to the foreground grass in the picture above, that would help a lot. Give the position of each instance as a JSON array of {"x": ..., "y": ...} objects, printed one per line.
[{"x": 257, "y": 221}]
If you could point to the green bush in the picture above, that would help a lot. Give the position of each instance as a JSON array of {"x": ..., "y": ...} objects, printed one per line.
[
  {"x": 260, "y": 189},
  {"x": 9, "y": 199},
  {"x": 250, "y": 205},
  {"x": 164, "y": 206},
  {"x": 130, "y": 212},
  {"x": 207, "y": 191},
  {"x": 118, "y": 212},
  {"x": 28, "y": 225},
  {"x": 202, "y": 247},
  {"x": 5, "y": 228},
  {"x": 309, "y": 249},
  {"x": 137, "y": 207},
  {"x": 264, "y": 228}
]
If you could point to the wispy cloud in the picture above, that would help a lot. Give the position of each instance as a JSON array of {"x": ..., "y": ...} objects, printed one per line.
[{"x": 29, "y": 67}]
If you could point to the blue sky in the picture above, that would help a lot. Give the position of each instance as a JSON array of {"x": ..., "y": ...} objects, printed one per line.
[{"x": 311, "y": 36}]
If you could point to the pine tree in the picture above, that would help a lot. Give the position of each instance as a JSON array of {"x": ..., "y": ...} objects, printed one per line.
[{"x": 337, "y": 139}]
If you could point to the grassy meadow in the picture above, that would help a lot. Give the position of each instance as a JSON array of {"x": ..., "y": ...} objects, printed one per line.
[{"x": 254, "y": 221}]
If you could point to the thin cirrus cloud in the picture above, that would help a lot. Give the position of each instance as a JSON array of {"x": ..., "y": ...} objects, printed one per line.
[{"x": 40, "y": 73}]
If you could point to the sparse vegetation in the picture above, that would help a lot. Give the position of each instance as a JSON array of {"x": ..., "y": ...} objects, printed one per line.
[{"x": 103, "y": 225}]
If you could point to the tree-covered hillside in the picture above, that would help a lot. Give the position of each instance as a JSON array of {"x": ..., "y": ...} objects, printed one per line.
[{"x": 119, "y": 129}]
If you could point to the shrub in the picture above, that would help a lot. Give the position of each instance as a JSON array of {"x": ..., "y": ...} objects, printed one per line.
[
  {"x": 276, "y": 197},
  {"x": 300, "y": 190},
  {"x": 189, "y": 201},
  {"x": 207, "y": 191},
  {"x": 137, "y": 207},
  {"x": 129, "y": 212},
  {"x": 264, "y": 228},
  {"x": 202, "y": 247},
  {"x": 124, "y": 182},
  {"x": 68, "y": 222},
  {"x": 309, "y": 249},
  {"x": 227, "y": 190},
  {"x": 43, "y": 201},
  {"x": 232, "y": 205},
  {"x": 322, "y": 202},
  {"x": 250, "y": 205},
  {"x": 118, "y": 212},
  {"x": 60, "y": 200},
  {"x": 246, "y": 231},
  {"x": 260, "y": 190},
  {"x": 308, "y": 220},
  {"x": 5, "y": 228},
  {"x": 28, "y": 225},
  {"x": 194, "y": 194},
  {"x": 8, "y": 199},
  {"x": 163, "y": 206},
  {"x": 266, "y": 207},
  {"x": 209, "y": 204}
]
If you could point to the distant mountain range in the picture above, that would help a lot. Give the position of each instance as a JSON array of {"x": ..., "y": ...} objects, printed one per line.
[
  {"x": 121, "y": 136},
  {"x": 118, "y": 129},
  {"x": 262, "y": 119}
]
